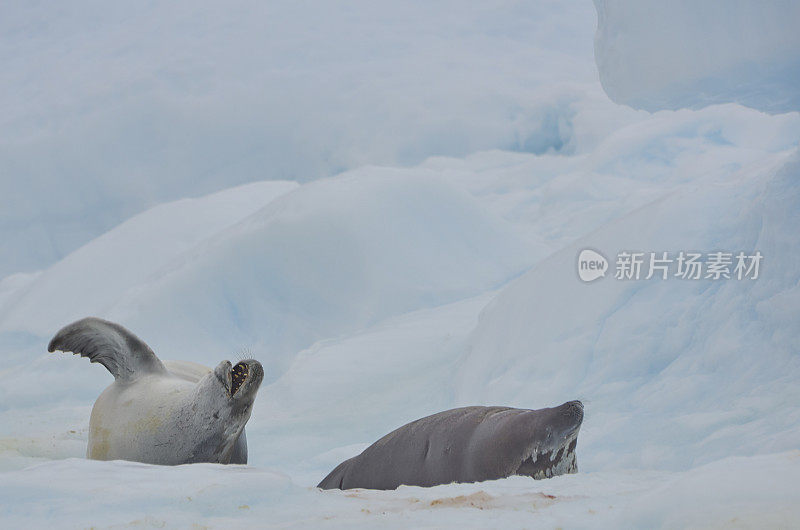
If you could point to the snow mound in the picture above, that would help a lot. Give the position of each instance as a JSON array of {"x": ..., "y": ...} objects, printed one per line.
[
  {"x": 361, "y": 386},
  {"x": 340, "y": 395},
  {"x": 657, "y": 55},
  {"x": 673, "y": 372},
  {"x": 90, "y": 280},
  {"x": 331, "y": 257}
]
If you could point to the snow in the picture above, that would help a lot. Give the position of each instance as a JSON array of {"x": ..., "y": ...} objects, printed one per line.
[
  {"x": 668, "y": 55},
  {"x": 549, "y": 338},
  {"x": 82, "y": 493},
  {"x": 387, "y": 255},
  {"x": 112, "y": 109},
  {"x": 130, "y": 254}
]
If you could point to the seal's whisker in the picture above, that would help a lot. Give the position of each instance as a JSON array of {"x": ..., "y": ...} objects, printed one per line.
[{"x": 243, "y": 354}]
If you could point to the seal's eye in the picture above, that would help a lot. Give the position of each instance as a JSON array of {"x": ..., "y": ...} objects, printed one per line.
[{"x": 238, "y": 376}]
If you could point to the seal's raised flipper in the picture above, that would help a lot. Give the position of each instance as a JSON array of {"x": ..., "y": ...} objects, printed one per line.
[{"x": 124, "y": 354}]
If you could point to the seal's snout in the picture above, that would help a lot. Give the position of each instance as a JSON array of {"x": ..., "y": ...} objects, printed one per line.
[
  {"x": 576, "y": 408},
  {"x": 572, "y": 412}
]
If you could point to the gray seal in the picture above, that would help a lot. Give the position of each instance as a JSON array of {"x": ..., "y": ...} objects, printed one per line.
[
  {"x": 468, "y": 444},
  {"x": 162, "y": 413}
]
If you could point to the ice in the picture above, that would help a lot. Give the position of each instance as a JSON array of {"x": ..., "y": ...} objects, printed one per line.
[
  {"x": 668, "y": 55},
  {"x": 304, "y": 186},
  {"x": 112, "y": 109}
]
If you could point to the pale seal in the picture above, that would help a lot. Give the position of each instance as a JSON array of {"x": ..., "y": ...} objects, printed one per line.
[
  {"x": 175, "y": 414},
  {"x": 467, "y": 444}
]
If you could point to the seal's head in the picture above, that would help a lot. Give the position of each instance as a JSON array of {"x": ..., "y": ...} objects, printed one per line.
[
  {"x": 223, "y": 400},
  {"x": 239, "y": 383},
  {"x": 555, "y": 439}
]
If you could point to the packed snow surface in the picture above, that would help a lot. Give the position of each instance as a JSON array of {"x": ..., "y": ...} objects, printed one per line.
[
  {"x": 84, "y": 494},
  {"x": 408, "y": 245}
]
